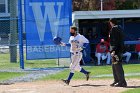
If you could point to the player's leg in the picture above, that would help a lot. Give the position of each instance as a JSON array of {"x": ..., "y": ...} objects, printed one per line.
[
  {"x": 72, "y": 68},
  {"x": 127, "y": 55},
  {"x": 77, "y": 65},
  {"x": 87, "y": 73},
  {"x": 108, "y": 58},
  {"x": 120, "y": 75},
  {"x": 116, "y": 80},
  {"x": 79, "y": 68},
  {"x": 98, "y": 55}
]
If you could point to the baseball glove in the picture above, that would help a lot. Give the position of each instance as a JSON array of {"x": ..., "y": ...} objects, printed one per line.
[
  {"x": 57, "y": 40},
  {"x": 115, "y": 58}
]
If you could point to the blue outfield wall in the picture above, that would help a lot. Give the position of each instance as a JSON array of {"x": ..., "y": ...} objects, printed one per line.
[{"x": 44, "y": 20}]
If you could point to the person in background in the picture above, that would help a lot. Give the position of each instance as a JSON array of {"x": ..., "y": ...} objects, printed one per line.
[
  {"x": 102, "y": 52},
  {"x": 138, "y": 49},
  {"x": 126, "y": 54}
]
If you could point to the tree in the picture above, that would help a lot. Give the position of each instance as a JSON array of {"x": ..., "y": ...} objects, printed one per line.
[
  {"x": 84, "y": 5},
  {"x": 87, "y": 5},
  {"x": 136, "y": 4},
  {"x": 127, "y": 5}
]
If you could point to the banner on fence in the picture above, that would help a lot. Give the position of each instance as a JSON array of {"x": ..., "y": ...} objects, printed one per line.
[{"x": 44, "y": 20}]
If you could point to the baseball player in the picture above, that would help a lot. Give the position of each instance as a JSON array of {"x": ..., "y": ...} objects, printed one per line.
[{"x": 76, "y": 43}]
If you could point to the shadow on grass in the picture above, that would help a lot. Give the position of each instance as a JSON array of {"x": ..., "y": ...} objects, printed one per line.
[{"x": 88, "y": 85}]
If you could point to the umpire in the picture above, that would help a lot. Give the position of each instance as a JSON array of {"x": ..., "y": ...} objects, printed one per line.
[{"x": 116, "y": 48}]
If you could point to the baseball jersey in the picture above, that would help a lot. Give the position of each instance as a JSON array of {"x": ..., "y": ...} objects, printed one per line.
[
  {"x": 77, "y": 42},
  {"x": 102, "y": 48}
]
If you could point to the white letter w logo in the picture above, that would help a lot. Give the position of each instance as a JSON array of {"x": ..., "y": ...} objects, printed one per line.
[{"x": 41, "y": 19}]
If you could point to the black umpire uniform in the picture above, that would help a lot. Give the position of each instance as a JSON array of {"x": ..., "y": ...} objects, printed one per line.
[{"x": 116, "y": 48}]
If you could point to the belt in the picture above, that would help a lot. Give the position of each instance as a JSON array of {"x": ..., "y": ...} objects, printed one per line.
[
  {"x": 114, "y": 62},
  {"x": 75, "y": 53}
]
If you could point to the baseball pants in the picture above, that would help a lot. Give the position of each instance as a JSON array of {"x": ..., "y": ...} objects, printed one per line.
[{"x": 75, "y": 61}]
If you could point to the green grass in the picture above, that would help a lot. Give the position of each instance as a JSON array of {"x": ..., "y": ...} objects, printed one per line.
[
  {"x": 136, "y": 90},
  {"x": 135, "y": 68},
  {"x": 40, "y": 63},
  {"x": 96, "y": 70},
  {"x": 9, "y": 75},
  {"x": 93, "y": 69},
  {"x": 5, "y": 63}
]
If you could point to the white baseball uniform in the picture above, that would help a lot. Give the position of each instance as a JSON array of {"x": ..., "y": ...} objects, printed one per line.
[{"x": 76, "y": 54}]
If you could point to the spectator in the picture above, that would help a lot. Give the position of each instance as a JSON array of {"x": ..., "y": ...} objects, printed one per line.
[
  {"x": 126, "y": 54},
  {"x": 102, "y": 51},
  {"x": 138, "y": 48},
  {"x": 89, "y": 36}
]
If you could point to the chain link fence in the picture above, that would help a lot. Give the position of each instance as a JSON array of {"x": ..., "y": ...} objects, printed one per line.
[
  {"x": 9, "y": 46},
  {"x": 8, "y": 33}
]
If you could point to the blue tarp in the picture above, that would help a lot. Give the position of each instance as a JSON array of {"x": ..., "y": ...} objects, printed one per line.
[{"x": 44, "y": 20}]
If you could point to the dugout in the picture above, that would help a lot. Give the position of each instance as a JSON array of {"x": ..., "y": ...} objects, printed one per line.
[{"x": 94, "y": 25}]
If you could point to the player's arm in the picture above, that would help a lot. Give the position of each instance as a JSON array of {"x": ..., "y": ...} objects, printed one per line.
[
  {"x": 66, "y": 44},
  {"x": 58, "y": 41},
  {"x": 85, "y": 41}
]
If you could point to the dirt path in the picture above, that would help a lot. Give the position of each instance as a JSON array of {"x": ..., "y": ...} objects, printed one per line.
[{"x": 76, "y": 86}]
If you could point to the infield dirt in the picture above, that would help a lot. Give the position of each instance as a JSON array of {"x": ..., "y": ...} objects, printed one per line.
[{"x": 76, "y": 86}]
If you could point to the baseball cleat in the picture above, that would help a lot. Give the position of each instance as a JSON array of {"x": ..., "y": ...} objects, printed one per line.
[
  {"x": 120, "y": 85},
  {"x": 113, "y": 83},
  {"x": 87, "y": 76},
  {"x": 66, "y": 81}
]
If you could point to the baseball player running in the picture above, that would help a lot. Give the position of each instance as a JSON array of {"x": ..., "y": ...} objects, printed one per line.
[{"x": 76, "y": 42}]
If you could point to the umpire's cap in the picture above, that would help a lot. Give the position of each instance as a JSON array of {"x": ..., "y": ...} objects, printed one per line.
[{"x": 113, "y": 20}]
